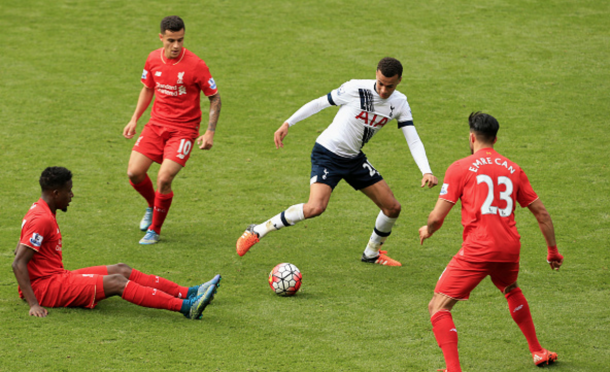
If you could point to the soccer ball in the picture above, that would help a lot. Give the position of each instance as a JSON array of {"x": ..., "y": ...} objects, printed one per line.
[{"x": 285, "y": 279}]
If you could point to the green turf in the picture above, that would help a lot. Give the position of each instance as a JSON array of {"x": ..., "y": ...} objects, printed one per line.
[{"x": 69, "y": 84}]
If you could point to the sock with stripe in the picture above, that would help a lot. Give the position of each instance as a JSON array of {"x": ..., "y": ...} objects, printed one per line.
[
  {"x": 383, "y": 229},
  {"x": 289, "y": 217}
]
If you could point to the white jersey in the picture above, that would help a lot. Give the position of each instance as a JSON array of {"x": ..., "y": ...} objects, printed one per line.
[{"x": 362, "y": 113}]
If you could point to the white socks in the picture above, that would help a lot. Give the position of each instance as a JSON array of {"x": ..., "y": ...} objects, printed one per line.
[
  {"x": 288, "y": 217},
  {"x": 383, "y": 228}
]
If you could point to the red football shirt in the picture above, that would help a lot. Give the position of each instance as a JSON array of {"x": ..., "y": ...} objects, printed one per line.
[
  {"x": 39, "y": 231},
  {"x": 177, "y": 84},
  {"x": 488, "y": 185}
]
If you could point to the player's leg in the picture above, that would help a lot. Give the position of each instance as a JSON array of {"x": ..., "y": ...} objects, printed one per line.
[
  {"x": 158, "y": 282},
  {"x": 163, "y": 199},
  {"x": 319, "y": 196},
  {"x": 520, "y": 310},
  {"x": 139, "y": 180},
  {"x": 381, "y": 194},
  {"x": 129, "y": 290},
  {"x": 147, "y": 149},
  {"x": 455, "y": 284}
]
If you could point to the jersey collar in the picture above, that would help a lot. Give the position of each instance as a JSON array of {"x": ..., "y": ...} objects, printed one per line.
[{"x": 169, "y": 61}]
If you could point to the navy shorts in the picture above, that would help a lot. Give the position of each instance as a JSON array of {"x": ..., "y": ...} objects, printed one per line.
[{"x": 329, "y": 168}]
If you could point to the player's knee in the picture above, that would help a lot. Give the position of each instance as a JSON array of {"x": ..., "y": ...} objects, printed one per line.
[
  {"x": 164, "y": 183},
  {"x": 123, "y": 269},
  {"x": 135, "y": 177},
  {"x": 393, "y": 210},
  {"x": 431, "y": 307},
  {"x": 114, "y": 284},
  {"x": 510, "y": 288},
  {"x": 310, "y": 211}
]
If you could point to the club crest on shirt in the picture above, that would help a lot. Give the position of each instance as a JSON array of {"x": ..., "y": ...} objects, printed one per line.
[
  {"x": 392, "y": 111},
  {"x": 144, "y": 74},
  {"x": 180, "y": 77},
  {"x": 36, "y": 240},
  {"x": 212, "y": 83},
  {"x": 444, "y": 188}
]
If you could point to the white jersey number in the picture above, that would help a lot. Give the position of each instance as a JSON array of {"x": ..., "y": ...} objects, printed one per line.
[
  {"x": 487, "y": 208},
  {"x": 185, "y": 148}
]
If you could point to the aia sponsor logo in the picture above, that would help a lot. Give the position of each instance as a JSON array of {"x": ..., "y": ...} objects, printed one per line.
[{"x": 372, "y": 120}]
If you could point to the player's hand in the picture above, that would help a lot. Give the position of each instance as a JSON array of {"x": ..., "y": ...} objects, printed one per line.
[
  {"x": 38, "y": 311},
  {"x": 423, "y": 234},
  {"x": 206, "y": 141},
  {"x": 280, "y": 134},
  {"x": 555, "y": 261},
  {"x": 130, "y": 130},
  {"x": 429, "y": 179}
]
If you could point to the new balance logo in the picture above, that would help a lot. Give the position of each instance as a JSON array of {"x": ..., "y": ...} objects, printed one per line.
[
  {"x": 453, "y": 330},
  {"x": 518, "y": 308}
]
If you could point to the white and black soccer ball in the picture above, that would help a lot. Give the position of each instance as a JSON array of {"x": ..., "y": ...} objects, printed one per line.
[{"x": 285, "y": 279}]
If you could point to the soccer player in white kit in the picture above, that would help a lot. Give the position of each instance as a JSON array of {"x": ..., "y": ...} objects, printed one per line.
[{"x": 365, "y": 106}]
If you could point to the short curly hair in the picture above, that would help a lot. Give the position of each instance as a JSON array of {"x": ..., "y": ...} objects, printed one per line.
[
  {"x": 390, "y": 67},
  {"x": 54, "y": 178},
  {"x": 172, "y": 23}
]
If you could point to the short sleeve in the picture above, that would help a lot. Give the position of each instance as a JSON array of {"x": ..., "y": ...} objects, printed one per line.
[
  {"x": 452, "y": 184},
  {"x": 526, "y": 194},
  {"x": 147, "y": 76},
  {"x": 34, "y": 231},
  {"x": 403, "y": 116},
  {"x": 341, "y": 95},
  {"x": 205, "y": 80}
]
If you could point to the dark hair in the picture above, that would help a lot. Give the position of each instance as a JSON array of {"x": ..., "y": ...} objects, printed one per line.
[
  {"x": 484, "y": 126},
  {"x": 54, "y": 178},
  {"x": 390, "y": 67},
  {"x": 172, "y": 23}
]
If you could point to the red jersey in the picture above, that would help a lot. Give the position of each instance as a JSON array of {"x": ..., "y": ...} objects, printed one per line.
[
  {"x": 39, "y": 231},
  {"x": 488, "y": 185},
  {"x": 177, "y": 84}
]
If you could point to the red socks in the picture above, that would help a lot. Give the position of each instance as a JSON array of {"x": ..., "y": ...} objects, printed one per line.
[
  {"x": 150, "y": 297},
  {"x": 447, "y": 339},
  {"x": 146, "y": 189},
  {"x": 520, "y": 311},
  {"x": 162, "y": 204},
  {"x": 158, "y": 282}
]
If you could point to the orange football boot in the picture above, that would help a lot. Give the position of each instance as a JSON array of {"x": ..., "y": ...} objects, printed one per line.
[
  {"x": 544, "y": 357},
  {"x": 247, "y": 240}
]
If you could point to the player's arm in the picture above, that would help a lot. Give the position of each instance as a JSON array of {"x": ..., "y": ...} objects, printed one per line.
[
  {"x": 419, "y": 153},
  {"x": 20, "y": 268},
  {"x": 206, "y": 141},
  {"x": 554, "y": 258},
  {"x": 435, "y": 219},
  {"x": 146, "y": 96},
  {"x": 307, "y": 110}
]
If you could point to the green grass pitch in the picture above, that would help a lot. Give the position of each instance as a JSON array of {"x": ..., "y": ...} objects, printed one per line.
[{"x": 69, "y": 81}]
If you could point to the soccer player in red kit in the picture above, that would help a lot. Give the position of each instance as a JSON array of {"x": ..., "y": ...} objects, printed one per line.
[
  {"x": 176, "y": 77},
  {"x": 43, "y": 281},
  {"x": 489, "y": 186}
]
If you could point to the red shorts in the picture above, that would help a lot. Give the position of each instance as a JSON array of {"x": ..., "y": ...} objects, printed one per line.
[
  {"x": 158, "y": 143},
  {"x": 78, "y": 288},
  {"x": 461, "y": 277}
]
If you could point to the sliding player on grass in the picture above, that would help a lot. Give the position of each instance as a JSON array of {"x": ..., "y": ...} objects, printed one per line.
[
  {"x": 176, "y": 77},
  {"x": 489, "y": 186},
  {"x": 43, "y": 281},
  {"x": 366, "y": 106}
]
